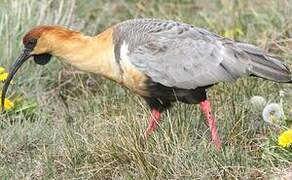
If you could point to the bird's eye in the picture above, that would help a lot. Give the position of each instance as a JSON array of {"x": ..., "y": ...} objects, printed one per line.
[{"x": 31, "y": 43}]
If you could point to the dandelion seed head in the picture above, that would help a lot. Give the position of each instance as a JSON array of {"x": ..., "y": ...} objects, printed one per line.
[
  {"x": 272, "y": 113},
  {"x": 258, "y": 102},
  {"x": 282, "y": 93}
]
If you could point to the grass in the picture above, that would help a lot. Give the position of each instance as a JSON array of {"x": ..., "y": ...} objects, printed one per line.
[{"x": 74, "y": 125}]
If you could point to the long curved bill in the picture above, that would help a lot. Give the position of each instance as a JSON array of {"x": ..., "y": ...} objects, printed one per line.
[{"x": 20, "y": 60}]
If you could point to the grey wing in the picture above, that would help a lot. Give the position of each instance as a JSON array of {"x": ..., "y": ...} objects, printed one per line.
[
  {"x": 180, "y": 55},
  {"x": 189, "y": 62}
]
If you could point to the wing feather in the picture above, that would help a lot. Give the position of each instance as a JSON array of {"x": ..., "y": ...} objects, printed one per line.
[
  {"x": 187, "y": 63},
  {"x": 180, "y": 55}
]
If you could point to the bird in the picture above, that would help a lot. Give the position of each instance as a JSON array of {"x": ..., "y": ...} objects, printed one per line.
[{"x": 162, "y": 61}]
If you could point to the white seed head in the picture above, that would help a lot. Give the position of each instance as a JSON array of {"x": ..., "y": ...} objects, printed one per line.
[
  {"x": 272, "y": 113},
  {"x": 281, "y": 93},
  {"x": 258, "y": 102}
]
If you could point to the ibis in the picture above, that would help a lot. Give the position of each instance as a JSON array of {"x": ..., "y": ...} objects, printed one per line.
[{"x": 162, "y": 61}]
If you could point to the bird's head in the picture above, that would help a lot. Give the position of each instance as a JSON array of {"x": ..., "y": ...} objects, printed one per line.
[{"x": 39, "y": 44}]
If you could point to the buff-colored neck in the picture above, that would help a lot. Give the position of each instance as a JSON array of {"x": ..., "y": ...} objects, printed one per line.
[{"x": 91, "y": 54}]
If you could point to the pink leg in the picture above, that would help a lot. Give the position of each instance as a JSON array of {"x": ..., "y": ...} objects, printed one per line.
[
  {"x": 153, "y": 121},
  {"x": 206, "y": 108}
]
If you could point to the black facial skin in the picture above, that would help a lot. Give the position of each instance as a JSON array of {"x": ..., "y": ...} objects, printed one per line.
[{"x": 41, "y": 59}]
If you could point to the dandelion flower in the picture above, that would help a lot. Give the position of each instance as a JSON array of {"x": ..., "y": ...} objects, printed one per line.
[
  {"x": 272, "y": 113},
  {"x": 258, "y": 102},
  {"x": 2, "y": 69},
  {"x": 285, "y": 139},
  {"x": 8, "y": 104},
  {"x": 3, "y": 76},
  {"x": 232, "y": 33}
]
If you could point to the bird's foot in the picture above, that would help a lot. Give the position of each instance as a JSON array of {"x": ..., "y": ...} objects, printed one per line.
[
  {"x": 153, "y": 122},
  {"x": 206, "y": 108}
]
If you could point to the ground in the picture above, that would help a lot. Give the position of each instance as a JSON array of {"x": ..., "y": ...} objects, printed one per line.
[{"x": 67, "y": 124}]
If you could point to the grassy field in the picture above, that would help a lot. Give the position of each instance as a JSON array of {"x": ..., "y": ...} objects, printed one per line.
[{"x": 67, "y": 124}]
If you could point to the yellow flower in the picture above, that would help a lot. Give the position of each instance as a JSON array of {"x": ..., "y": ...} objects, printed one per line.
[
  {"x": 3, "y": 76},
  {"x": 233, "y": 33},
  {"x": 2, "y": 69},
  {"x": 285, "y": 139},
  {"x": 8, "y": 104}
]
